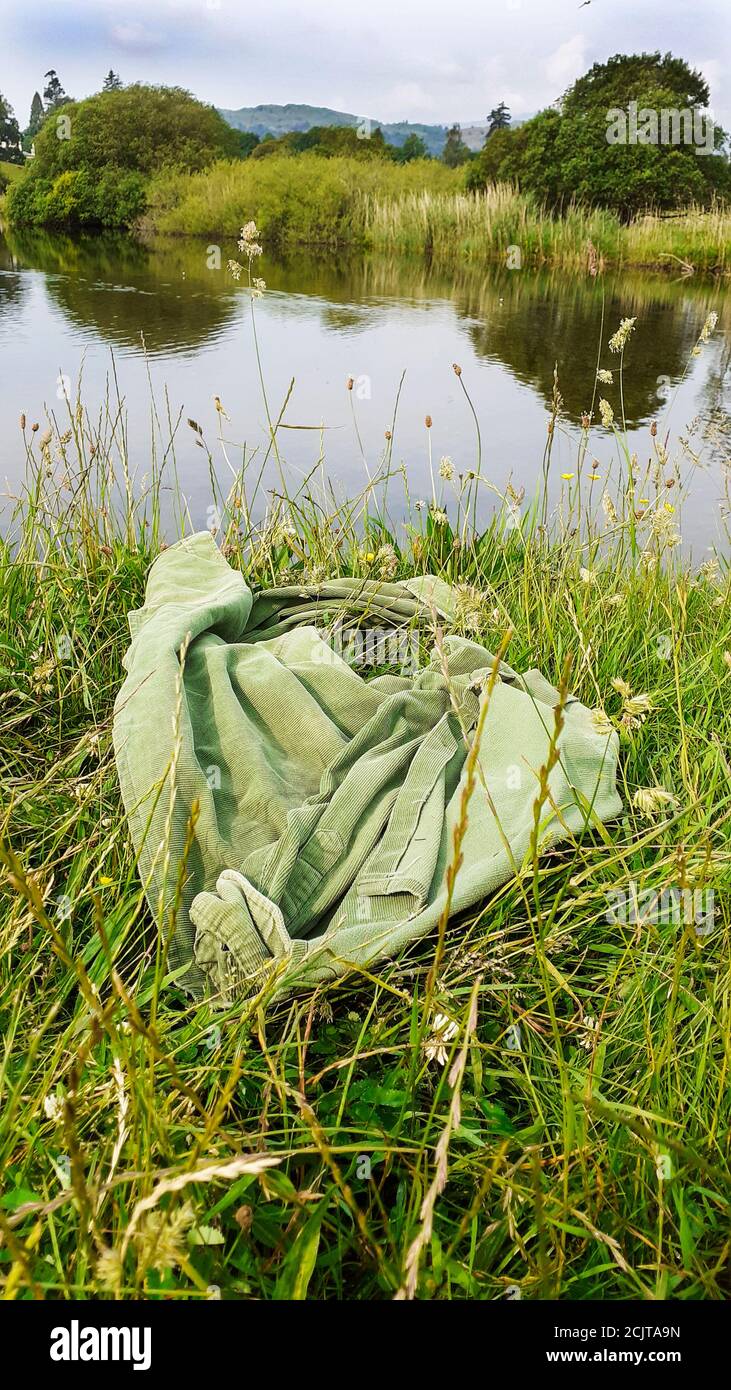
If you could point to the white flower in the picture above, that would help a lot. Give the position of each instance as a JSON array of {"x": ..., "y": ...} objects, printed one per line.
[
  {"x": 438, "y": 517},
  {"x": 53, "y": 1107},
  {"x": 605, "y": 377},
  {"x": 446, "y": 468},
  {"x": 607, "y": 414},
  {"x": 708, "y": 327},
  {"x": 444, "y": 1030}
]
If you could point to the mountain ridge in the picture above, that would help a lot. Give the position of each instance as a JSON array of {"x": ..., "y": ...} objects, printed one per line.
[{"x": 272, "y": 119}]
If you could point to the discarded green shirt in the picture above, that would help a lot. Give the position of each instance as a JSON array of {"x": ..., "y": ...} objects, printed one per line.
[{"x": 326, "y": 803}]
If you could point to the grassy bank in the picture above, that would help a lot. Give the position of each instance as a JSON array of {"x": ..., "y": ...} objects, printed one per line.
[
  {"x": 422, "y": 209},
  {"x": 591, "y": 1156}
]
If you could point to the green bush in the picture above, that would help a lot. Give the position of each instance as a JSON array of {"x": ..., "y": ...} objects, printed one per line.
[
  {"x": 139, "y": 128},
  {"x": 293, "y": 198},
  {"x": 78, "y": 198},
  {"x": 93, "y": 158}
]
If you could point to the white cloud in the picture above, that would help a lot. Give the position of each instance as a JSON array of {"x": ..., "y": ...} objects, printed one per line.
[
  {"x": 135, "y": 37},
  {"x": 566, "y": 64}
]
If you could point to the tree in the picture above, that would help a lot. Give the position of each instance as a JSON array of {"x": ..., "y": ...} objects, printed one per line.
[
  {"x": 572, "y": 151},
  {"x": 455, "y": 151},
  {"x": 35, "y": 121},
  {"x": 139, "y": 128},
  {"x": 53, "y": 93},
  {"x": 112, "y": 82},
  {"x": 499, "y": 119},
  {"x": 11, "y": 149},
  {"x": 412, "y": 148},
  {"x": 97, "y": 173}
]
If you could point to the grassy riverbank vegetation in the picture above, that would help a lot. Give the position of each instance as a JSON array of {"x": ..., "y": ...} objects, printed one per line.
[
  {"x": 536, "y": 1105},
  {"x": 422, "y": 210}
]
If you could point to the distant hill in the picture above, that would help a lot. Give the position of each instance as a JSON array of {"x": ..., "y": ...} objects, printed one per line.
[{"x": 279, "y": 120}]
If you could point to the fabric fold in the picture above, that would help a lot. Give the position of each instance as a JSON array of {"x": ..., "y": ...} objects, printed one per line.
[{"x": 297, "y": 817}]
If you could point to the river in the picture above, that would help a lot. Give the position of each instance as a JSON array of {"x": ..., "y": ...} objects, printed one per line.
[{"x": 166, "y": 321}]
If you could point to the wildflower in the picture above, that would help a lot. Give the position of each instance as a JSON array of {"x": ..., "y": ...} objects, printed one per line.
[
  {"x": 644, "y": 501},
  {"x": 568, "y": 476},
  {"x": 53, "y": 1108},
  {"x": 607, "y": 414},
  {"x": 618, "y": 340},
  {"x": 234, "y": 268},
  {"x": 605, "y": 377},
  {"x": 438, "y": 517},
  {"x": 588, "y": 576},
  {"x": 590, "y": 1033},
  {"x": 446, "y": 468},
  {"x": 708, "y": 327},
  {"x": 444, "y": 1031},
  {"x": 669, "y": 508},
  {"x": 595, "y": 477},
  {"x": 650, "y": 800}
]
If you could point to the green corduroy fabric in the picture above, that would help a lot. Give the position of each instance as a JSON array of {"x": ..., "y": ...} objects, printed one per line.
[{"x": 326, "y": 803}]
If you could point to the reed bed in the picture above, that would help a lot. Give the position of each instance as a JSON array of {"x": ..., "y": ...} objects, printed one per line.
[{"x": 422, "y": 210}]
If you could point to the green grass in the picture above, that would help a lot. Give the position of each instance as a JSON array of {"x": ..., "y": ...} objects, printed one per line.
[
  {"x": 590, "y": 1158},
  {"x": 421, "y": 209},
  {"x": 10, "y": 171}
]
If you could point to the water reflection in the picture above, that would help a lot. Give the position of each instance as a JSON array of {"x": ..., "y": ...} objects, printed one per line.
[{"x": 170, "y": 308}]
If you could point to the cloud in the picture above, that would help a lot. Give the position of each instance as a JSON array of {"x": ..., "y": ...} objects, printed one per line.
[
  {"x": 136, "y": 38},
  {"x": 566, "y": 64}
]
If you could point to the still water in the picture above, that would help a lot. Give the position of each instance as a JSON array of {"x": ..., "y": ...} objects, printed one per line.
[{"x": 164, "y": 323}]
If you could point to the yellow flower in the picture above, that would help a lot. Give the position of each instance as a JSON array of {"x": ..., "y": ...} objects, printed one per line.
[
  {"x": 106, "y": 880},
  {"x": 568, "y": 475},
  {"x": 644, "y": 501},
  {"x": 595, "y": 477},
  {"x": 669, "y": 507}
]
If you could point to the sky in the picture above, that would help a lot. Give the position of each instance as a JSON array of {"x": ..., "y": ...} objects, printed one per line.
[{"x": 417, "y": 60}]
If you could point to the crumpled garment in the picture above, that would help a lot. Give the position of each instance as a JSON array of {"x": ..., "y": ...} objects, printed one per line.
[{"x": 293, "y": 818}]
